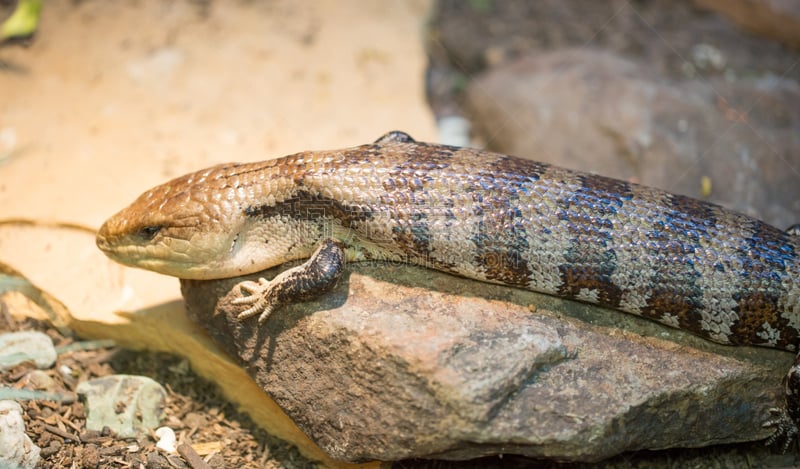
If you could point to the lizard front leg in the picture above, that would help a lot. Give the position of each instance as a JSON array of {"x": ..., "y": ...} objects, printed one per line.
[
  {"x": 785, "y": 420},
  {"x": 314, "y": 277}
]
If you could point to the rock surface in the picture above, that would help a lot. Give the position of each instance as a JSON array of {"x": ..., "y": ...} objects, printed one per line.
[
  {"x": 128, "y": 405},
  {"x": 730, "y": 143},
  {"x": 400, "y": 362},
  {"x": 16, "y": 448}
]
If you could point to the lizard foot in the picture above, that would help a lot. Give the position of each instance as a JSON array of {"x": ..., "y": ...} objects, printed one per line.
[
  {"x": 311, "y": 279},
  {"x": 785, "y": 428},
  {"x": 257, "y": 297}
]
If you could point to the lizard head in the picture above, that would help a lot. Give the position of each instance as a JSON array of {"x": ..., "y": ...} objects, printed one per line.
[
  {"x": 188, "y": 228},
  {"x": 224, "y": 221},
  {"x": 191, "y": 227}
]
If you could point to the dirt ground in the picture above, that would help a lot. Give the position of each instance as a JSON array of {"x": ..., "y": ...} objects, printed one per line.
[{"x": 195, "y": 409}]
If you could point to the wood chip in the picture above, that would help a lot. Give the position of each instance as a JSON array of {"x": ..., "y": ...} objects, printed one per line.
[
  {"x": 191, "y": 457},
  {"x": 62, "y": 433},
  {"x": 204, "y": 449}
]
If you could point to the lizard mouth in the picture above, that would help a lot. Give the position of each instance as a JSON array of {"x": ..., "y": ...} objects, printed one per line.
[
  {"x": 115, "y": 250},
  {"x": 104, "y": 244},
  {"x": 108, "y": 237}
]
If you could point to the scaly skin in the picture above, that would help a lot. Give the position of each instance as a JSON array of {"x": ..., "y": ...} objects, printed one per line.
[{"x": 686, "y": 263}]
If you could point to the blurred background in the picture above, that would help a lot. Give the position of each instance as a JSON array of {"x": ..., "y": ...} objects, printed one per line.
[{"x": 696, "y": 97}]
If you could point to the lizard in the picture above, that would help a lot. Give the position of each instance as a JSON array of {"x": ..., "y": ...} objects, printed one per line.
[{"x": 686, "y": 263}]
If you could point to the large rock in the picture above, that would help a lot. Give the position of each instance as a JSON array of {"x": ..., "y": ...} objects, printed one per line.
[
  {"x": 400, "y": 362},
  {"x": 731, "y": 143},
  {"x": 673, "y": 38}
]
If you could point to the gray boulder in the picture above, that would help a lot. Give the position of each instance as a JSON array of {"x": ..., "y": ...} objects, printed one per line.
[{"x": 401, "y": 362}]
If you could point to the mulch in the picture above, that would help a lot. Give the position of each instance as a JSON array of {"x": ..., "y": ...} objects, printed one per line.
[{"x": 214, "y": 433}]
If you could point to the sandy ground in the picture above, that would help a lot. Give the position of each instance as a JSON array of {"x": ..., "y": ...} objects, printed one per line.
[{"x": 112, "y": 98}]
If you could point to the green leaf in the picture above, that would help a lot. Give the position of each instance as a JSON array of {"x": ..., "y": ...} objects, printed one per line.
[{"x": 23, "y": 22}]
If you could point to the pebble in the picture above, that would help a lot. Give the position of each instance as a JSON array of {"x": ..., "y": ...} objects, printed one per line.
[
  {"x": 129, "y": 405},
  {"x": 16, "y": 448},
  {"x": 166, "y": 440},
  {"x": 39, "y": 380},
  {"x": 453, "y": 130},
  {"x": 18, "y": 347}
]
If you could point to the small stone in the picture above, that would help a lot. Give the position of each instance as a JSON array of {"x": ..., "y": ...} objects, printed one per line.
[
  {"x": 16, "y": 448},
  {"x": 195, "y": 420},
  {"x": 18, "y": 347},
  {"x": 90, "y": 456},
  {"x": 453, "y": 130},
  {"x": 706, "y": 57},
  {"x": 128, "y": 405},
  {"x": 166, "y": 440},
  {"x": 39, "y": 380}
]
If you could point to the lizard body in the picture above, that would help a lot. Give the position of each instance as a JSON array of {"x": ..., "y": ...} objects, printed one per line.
[{"x": 686, "y": 263}]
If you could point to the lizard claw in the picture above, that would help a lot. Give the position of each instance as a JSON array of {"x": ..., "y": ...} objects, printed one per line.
[
  {"x": 785, "y": 428},
  {"x": 252, "y": 288},
  {"x": 257, "y": 297},
  {"x": 317, "y": 275}
]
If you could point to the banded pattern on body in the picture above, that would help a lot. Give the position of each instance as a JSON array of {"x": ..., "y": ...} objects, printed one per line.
[{"x": 686, "y": 263}]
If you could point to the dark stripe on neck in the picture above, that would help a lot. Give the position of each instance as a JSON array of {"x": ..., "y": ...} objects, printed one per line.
[{"x": 307, "y": 206}]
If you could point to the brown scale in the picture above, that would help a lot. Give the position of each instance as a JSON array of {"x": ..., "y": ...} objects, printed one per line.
[
  {"x": 501, "y": 240},
  {"x": 685, "y": 307},
  {"x": 675, "y": 291},
  {"x": 755, "y": 309},
  {"x": 591, "y": 260}
]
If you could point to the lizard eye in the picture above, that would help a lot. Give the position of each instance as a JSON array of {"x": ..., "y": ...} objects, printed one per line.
[{"x": 148, "y": 232}]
